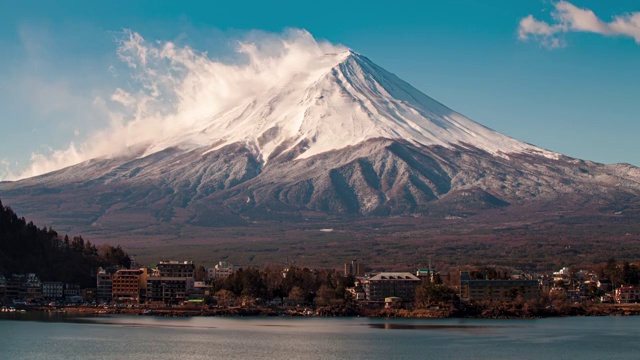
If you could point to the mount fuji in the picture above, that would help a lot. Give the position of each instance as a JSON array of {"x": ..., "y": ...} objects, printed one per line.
[{"x": 345, "y": 141}]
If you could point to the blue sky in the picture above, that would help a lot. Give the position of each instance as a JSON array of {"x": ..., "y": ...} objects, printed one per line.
[{"x": 567, "y": 85}]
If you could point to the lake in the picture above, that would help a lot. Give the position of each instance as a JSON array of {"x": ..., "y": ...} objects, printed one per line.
[{"x": 33, "y": 336}]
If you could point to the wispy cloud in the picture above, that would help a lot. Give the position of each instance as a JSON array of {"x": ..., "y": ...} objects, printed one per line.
[
  {"x": 173, "y": 88},
  {"x": 570, "y": 18},
  {"x": 5, "y": 169}
]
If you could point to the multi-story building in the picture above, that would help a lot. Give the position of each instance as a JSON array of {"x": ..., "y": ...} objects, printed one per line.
[
  {"x": 172, "y": 282},
  {"x": 561, "y": 276},
  {"x": 480, "y": 289},
  {"x": 53, "y": 290},
  {"x": 103, "y": 286},
  {"x": 391, "y": 284},
  {"x": 71, "y": 290},
  {"x": 221, "y": 270},
  {"x": 168, "y": 289},
  {"x": 627, "y": 295},
  {"x": 23, "y": 287},
  {"x": 14, "y": 283},
  {"x": 199, "y": 291},
  {"x": 3, "y": 287},
  {"x": 184, "y": 269},
  {"x": 31, "y": 288},
  {"x": 33, "y": 293},
  {"x": 354, "y": 268},
  {"x": 88, "y": 294},
  {"x": 127, "y": 285}
]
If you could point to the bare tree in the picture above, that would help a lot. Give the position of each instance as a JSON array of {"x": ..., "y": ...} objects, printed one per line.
[{"x": 224, "y": 297}]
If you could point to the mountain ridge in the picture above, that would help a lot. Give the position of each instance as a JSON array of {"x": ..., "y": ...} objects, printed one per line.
[{"x": 348, "y": 140}]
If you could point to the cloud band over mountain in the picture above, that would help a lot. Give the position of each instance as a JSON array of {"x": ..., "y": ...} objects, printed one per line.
[{"x": 172, "y": 88}]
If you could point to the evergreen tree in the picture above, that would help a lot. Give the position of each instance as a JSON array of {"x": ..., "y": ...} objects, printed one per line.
[{"x": 24, "y": 248}]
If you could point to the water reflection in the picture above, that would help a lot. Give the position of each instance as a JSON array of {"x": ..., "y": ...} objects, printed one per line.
[
  {"x": 60, "y": 336},
  {"x": 484, "y": 329}
]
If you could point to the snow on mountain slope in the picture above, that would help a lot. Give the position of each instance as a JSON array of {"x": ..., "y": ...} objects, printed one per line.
[
  {"x": 318, "y": 132},
  {"x": 346, "y": 100},
  {"x": 291, "y": 92}
]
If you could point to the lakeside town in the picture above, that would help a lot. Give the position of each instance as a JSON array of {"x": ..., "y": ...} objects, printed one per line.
[
  {"x": 41, "y": 270},
  {"x": 180, "y": 288}
]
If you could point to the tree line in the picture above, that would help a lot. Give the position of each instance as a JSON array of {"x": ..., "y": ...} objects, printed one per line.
[
  {"x": 26, "y": 248},
  {"x": 620, "y": 272},
  {"x": 275, "y": 281}
]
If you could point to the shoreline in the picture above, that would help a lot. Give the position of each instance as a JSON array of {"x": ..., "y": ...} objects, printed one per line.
[{"x": 491, "y": 312}]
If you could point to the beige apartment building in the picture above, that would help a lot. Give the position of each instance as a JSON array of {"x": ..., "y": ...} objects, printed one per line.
[{"x": 129, "y": 285}]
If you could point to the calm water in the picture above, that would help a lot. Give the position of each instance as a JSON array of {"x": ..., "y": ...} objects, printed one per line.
[{"x": 139, "y": 337}]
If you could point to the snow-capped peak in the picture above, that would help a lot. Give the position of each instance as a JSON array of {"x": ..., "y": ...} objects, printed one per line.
[
  {"x": 295, "y": 92},
  {"x": 345, "y": 100}
]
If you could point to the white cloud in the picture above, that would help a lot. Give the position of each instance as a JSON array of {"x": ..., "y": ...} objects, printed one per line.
[
  {"x": 172, "y": 88},
  {"x": 544, "y": 32},
  {"x": 5, "y": 169},
  {"x": 570, "y": 18}
]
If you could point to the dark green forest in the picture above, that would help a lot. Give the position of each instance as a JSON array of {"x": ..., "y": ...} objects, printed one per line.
[
  {"x": 26, "y": 248},
  {"x": 276, "y": 281}
]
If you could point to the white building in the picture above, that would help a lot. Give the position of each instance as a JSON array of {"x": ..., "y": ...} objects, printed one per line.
[
  {"x": 561, "y": 274},
  {"x": 222, "y": 270},
  {"x": 627, "y": 295}
]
